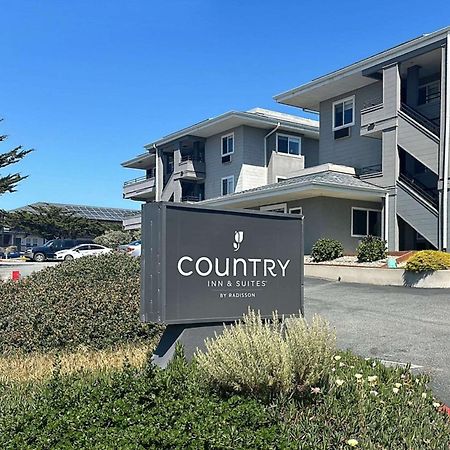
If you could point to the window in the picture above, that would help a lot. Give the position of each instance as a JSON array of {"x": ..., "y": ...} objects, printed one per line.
[
  {"x": 280, "y": 208},
  {"x": 297, "y": 210},
  {"x": 228, "y": 144},
  {"x": 429, "y": 93},
  {"x": 344, "y": 113},
  {"x": 288, "y": 144},
  {"x": 366, "y": 222},
  {"x": 227, "y": 185}
]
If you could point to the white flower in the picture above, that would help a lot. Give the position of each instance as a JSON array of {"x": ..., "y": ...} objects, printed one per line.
[
  {"x": 395, "y": 390},
  {"x": 436, "y": 404},
  {"x": 315, "y": 390},
  {"x": 352, "y": 442},
  {"x": 372, "y": 378},
  {"x": 339, "y": 382},
  {"x": 402, "y": 376},
  {"x": 337, "y": 357},
  {"x": 333, "y": 369},
  {"x": 374, "y": 393},
  {"x": 398, "y": 385},
  {"x": 341, "y": 364},
  {"x": 424, "y": 395},
  {"x": 358, "y": 376}
]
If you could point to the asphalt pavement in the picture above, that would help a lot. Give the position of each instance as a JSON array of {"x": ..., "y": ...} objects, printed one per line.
[{"x": 397, "y": 324}]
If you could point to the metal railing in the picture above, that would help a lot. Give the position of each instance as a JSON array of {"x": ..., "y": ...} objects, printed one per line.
[
  {"x": 376, "y": 101},
  {"x": 369, "y": 170},
  {"x": 193, "y": 158},
  {"x": 421, "y": 119},
  {"x": 429, "y": 194},
  {"x": 135, "y": 180},
  {"x": 191, "y": 198}
]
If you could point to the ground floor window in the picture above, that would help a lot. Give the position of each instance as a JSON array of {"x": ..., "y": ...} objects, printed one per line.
[
  {"x": 297, "y": 210},
  {"x": 227, "y": 185},
  {"x": 366, "y": 222}
]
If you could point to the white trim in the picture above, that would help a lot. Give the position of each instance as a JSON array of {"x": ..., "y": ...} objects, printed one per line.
[
  {"x": 337, "y": 102},
  {"x": 297, "y": 208},
  {"x": 289, "y": 136},
  {"x": 279, "y": 179},
  {"x": 231, "y": 177},
  {"x": 367, "y": 221},
  {"x": 274, "y": 207},
  {"x": 226, "y": 136}
]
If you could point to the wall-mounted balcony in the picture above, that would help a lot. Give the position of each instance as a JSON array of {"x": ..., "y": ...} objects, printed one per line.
[
  {"x": 141, "y": 189},
  {"x": 191, "y": 168}
]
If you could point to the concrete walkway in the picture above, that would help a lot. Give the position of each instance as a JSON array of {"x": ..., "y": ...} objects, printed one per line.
[{"x": 392, "y": 323}]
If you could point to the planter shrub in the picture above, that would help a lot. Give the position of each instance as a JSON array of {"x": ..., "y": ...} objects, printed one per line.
[
  {"x": 91, "y": 301},
  {"x": 428, "y": 261},
  {"x": 371, "y": 248},
  {"x": 326, "y": 250},
  {"x": 268, "y": 357}
]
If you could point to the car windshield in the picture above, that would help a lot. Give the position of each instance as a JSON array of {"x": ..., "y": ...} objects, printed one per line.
[
  {"x": 135, "y": 243},
  {"x": 48, "y": 244}
]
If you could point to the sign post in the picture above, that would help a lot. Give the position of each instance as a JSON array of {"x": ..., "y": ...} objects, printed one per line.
[{"x": 203, "y": 267}]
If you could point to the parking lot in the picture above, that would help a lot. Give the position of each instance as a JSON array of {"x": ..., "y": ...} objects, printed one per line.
[
  {"x": 397, "y": 324},
  {"x": 24, "y": 267}
]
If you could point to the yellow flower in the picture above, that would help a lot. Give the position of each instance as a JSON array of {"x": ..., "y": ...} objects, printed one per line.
[
  {"x": 339, "y": 382},
  {"x": 398, "y": 385},
  {"x": 372, "y": 379},
  {"x": 395, "y": 390},
  {"x": 337, "y": 357},
  {"x": 358, "y": 376},
  {"x": 424, "y": 395},
  {"x": 352, "y": 442}
]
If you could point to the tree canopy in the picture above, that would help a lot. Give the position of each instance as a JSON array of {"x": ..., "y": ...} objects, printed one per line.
[{"x": 52, "y": 222}]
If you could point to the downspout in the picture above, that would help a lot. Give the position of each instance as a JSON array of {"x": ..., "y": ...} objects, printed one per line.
[
  {"x": 386, "y": 219},
  {"x": 265, "y": 142},
  {"x": 446, "y": 150},
  {"x": 157, "y": 180}
]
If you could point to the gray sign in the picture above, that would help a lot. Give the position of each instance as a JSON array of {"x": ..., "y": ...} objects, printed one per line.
[{"x": 210, "y": 265}]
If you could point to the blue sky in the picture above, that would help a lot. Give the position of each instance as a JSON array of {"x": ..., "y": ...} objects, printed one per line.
[{"x": 88, "y": 83}]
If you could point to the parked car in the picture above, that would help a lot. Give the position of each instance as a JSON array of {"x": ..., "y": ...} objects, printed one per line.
[
  {"x": 49, "y": 249},
  {"x": 82, "y": 250},
  {"x": 131, "y": 249}
]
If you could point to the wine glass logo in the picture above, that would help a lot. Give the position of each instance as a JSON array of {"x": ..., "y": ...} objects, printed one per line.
[{"x": 238, "y": 238}]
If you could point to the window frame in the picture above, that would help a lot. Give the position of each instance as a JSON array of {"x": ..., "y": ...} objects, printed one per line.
[
  {"x": 230, "y": 177},
  {"x": 289, "y": 136},
  {"x": 226, "y": 136},
  {"x": 296, "y": 208},
  {"x": 273, "y": 208},
  {"x": 367, "y": 210},
  {"x": 342, "y": 101}
]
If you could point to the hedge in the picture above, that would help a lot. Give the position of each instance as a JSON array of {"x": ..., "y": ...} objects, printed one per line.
[
  {"x": 91, "y": 301},
  {"x": 428, "y": 261},
  {"x": 326, "y": 250}
]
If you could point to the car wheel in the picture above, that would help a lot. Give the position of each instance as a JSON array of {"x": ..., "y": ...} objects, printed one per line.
[
  {"x": 39, "y": 257},
  {"x": 68, "y": 258}
]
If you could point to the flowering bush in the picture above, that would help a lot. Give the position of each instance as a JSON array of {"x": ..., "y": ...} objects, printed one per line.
[
  {"x": 428, "y": 261},
  {"x": 266, "y": 357}
]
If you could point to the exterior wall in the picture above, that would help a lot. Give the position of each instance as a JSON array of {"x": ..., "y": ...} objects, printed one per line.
[
  {"x": 215, "y": 169},
  {"x": 356, "y": 150},
  {"x": 327, "y": 217},
  {"x": 286, "y": 166}
]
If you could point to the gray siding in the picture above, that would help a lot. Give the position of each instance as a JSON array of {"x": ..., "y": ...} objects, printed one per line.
[
  {"x": 356, "y": 150},
  {"x": 215, "y": 169},
  {"x": 254, "y": 146},
  {"x": 310, "y": 150},
  {"x": 327, "y": 217}
]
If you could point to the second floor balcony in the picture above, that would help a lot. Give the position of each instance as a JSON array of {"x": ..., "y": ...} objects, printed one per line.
[
  {"x": 191, "y": 168},
  {"x": 141, "y": 189}
]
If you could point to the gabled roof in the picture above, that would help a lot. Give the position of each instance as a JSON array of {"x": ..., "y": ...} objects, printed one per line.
[
  {"x": 309, "y": 95},
  {"x": 325, "y": 180},
  {"x": 101, "y": 213}
]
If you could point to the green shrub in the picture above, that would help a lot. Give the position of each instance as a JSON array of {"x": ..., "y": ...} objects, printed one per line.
[
  {"x": 149, "y": 408},
  {"x": 114, "y": 238},
  {"x": 326, "y": 250},
  {"x": 428, "y": 261},
  {"x": 91, "y": 301},
  {"x": 371, "y": 248},
  {"x": 265, "y": 357}
]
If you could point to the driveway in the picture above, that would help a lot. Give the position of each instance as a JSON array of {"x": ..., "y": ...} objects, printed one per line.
[{"x": 398, "y": 324}]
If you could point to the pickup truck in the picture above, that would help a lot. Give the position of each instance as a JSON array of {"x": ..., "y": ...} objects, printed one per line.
[{"x": 48, "y": 250}]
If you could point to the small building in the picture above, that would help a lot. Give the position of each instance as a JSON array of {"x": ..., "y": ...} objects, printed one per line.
[{"x": 100, "y": 214}]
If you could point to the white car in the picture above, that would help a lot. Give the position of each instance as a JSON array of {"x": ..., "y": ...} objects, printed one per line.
[
  {"x": 80, "y": 251},
  {"x": 131, "y": 249}
]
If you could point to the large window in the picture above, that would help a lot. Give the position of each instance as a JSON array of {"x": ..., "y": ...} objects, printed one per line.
[
  {"x": 280, "y": 208},
  {"x": 288, "y": 144},
  {"x": 366, "y": 222},
  {"x": 227, "y": 185},
  {"x": 343, "y": 113},
  {"x": 228, "y": 144}
]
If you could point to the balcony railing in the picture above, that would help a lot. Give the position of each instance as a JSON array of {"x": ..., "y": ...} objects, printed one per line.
[
  {"x": 185, "y": 158},
  {"x": 369, "y": 170},
  {"x": 421, "y": 119},
  {"x": 192, "y": 198},
  {"x": 429, "y": 194},
  {"x": 376, "y": 101},
  {"x": 135, "y": 180}
]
